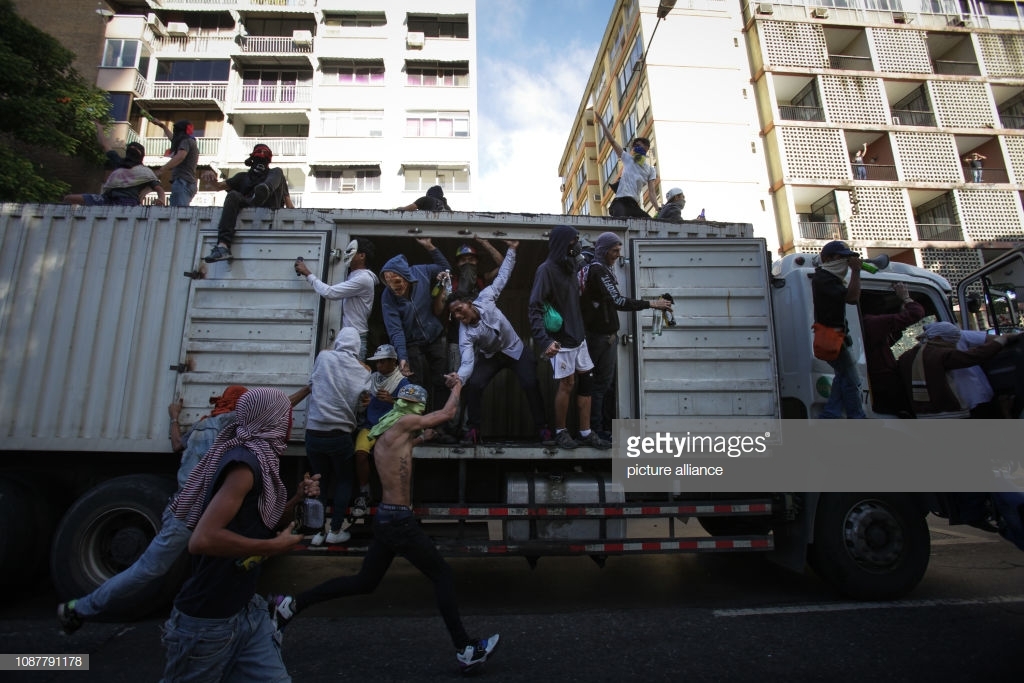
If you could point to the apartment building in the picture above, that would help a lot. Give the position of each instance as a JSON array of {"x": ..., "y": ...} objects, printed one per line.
[
  {"x": 365, "y": 104},
  {"x": 924, "y": 84}
]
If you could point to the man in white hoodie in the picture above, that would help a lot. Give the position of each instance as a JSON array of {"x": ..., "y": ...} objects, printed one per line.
[
  {"x": 337, "y": 384},
  {"x": 356, "y": 292}
]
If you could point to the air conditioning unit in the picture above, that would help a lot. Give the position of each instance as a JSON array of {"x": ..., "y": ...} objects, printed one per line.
[
  {"x": 302, "y": 37},
  {"x": 765, "y": 8},
  {"x": 177, "y": 28},
  {"x": 902, "y": 18},
  {"x": 154, "y": 22},
  {"x": 956, "y": 21},
  {"x": 414, "y": 39},
  {"x": 820, "y": 12},
  {"x": 896, "y": 121}
]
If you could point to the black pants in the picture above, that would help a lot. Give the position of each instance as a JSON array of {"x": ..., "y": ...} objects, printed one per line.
[
  {"x": 235, "y": 201},
  {"x": 484, "y": 370},
  {"x": 626, "y": 207},
  {"x": 428, "y": 363},
  {"x": 396, "y": 532}
]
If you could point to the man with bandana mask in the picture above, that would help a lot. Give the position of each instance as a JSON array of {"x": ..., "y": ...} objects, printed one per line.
[
  {"x": 555, "y": 287},
  {"x": 184, "y": 154},
  {"x": 356, "y": 292},
  {"x": 260, "y": 186},
  {"x": 395, "y": 529},
  {"x": 831, "y": 295},
  {"x": 636, "y": 171},
  {"x": 126, "y": 185}
]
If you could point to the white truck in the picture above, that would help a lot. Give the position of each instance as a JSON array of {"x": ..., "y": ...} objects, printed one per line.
[{"x": 107, "y": 315}]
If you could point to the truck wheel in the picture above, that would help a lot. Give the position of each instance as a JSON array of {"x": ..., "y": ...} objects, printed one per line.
[
  {"x": 105, "y": 531},
  {"x": 870, "y": 546}
]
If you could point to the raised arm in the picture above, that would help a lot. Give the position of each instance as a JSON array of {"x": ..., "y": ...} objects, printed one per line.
[{"x": 608, "y": 136}]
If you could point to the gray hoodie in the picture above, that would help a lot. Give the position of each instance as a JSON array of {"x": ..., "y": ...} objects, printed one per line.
[{"x": 337, "y": 380}]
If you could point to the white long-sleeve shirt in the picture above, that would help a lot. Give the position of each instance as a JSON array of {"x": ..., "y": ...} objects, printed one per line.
[
  {"x": 356, "y": 294},
  {"x": 493, "y": 333}
]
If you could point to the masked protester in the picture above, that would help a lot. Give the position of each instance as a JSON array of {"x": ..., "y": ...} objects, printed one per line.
[
  {"x": 636, "y": 171},
  {"x": 557, "y": 325},
  {"x": 433, "y": 200},
  {"x": 260, "y": 186},
  {"x": 126, "y": 185},
  {"x": 184, "y": 154}
]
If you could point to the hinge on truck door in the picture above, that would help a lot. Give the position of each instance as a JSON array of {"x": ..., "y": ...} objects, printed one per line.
[
  {"x": 194, "y": 274},
  {"x": 179, "y": 367}
]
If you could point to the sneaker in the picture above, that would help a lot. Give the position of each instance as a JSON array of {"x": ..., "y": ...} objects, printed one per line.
[
  {"x": 282, "y": 610},
  {"x": 218, "y": 253},
  {"x": 470, "y": 438},
  {"x": 546, "y": 437},
  {"x": 594, "y": 441},
  {"x": 261, "y": 194},
  {"x": 336, "y": 537},
  {"x": 318, "y": 538},
  {"x": 473, "y": 656},
  {"x": 68, "y": 617},
  {"x": 564, "y": 440},
  {"x": 361, "y": 505}
]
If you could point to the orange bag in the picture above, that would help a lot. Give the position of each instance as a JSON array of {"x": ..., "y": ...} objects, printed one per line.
[{"x": 827, "y": 341}]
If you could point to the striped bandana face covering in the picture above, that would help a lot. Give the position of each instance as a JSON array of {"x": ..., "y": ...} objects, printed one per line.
[{"x": 263, "y": 418}]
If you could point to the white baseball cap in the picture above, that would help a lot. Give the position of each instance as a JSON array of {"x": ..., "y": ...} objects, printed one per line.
[{"x": 674, "y": 192}]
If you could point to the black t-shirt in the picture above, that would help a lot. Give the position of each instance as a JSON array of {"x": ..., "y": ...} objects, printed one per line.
[
  {"x": 430, "y": 204},
  {"x": 829, "y": 295}
]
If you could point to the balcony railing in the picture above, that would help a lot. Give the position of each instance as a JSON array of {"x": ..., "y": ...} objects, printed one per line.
[
  {"x": 823, "y": 230},
  {"x": 158, "y": 146},
  {"x": 1010, "y": 121},
  {"x": 910, "y": 117},
  {"x": 877, "y": 172},
  {"x": 194, "y": 44},
  {"x": 790, "y": 112},
  {"x": 277, "y": 93},
  {"x": 940, "y": 232},
  {"x": 953, "y": 68},
  {"x": 140, "y": 84},
  {"x": 282, "y": 147},
  {"x": 275, "y": 44},
  {"x": 988, "y": 175},
  {"x": 850, "y": 63},
  {"x": 188, "y": 90}
]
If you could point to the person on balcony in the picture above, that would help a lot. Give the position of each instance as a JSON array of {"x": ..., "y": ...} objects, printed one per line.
[
  {"x": 184, "y": 153},
  {"x": 975, "y": 161},
  {"x": 860, "y": 171}
]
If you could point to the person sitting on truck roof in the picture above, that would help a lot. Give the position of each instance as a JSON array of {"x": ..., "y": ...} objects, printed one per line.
[
  {"x": 488, "y": 344},
  {"x": 881, "y": 331},
  {"x": 831, "y": 295},
  {"x": 126, "y": 185},
  {"x": 637, "y": 170},
  {"x": 356, "y": 292},
  {"x": 260, "y": 186},
  {"x": 121, "y": 590},
  {"x": 395, "y": 529},
  {"x": 672, "y": 209},
  {"x": 557, "y": 325},
  {"x": 433, "y": 200}
]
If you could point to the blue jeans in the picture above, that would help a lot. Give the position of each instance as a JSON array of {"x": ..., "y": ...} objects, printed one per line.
[
  {"x": 332, "y": 453},
  {"x": 242, "y": 648},
  {"x": 845, "y": 393},
  {"x": 182, "y": 192},
  {"x": 119, "y": 591}
]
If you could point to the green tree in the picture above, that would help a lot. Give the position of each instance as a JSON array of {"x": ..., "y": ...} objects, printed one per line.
[{"x": 45, "y": 102}]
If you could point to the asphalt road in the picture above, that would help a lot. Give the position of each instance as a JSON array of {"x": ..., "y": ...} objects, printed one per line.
[{"x": 651, "y": 618}]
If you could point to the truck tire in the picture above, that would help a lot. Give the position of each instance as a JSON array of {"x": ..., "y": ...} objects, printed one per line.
[
  {"x": 870, "y": 546},
  {"x": 105, "y": 531},
  {"x": 29, "y": 519}
]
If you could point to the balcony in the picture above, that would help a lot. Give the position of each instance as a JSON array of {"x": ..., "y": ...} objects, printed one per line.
[
  {"x": 940, "y": 232},
  {"x": 988, "y": 175},
  {"x": 823, "y": 230},
  {"x": 789, "y": 112},
  {"x": 158, "y": 146},
  {"x": 909, "y": 117},
  {"x": 187, "y": 91},
  {"x": 275, "y": 94},
  {"x": 850, "y": 63},
  {"x": 953, "y": 68},
  {"x": 275, "y": 45},
  {"x": 877, "y": 172},
  {"x": 196, "y": 45},
  {"x": 282, "y": 147},
  {"x": 1010, "y": 121}
]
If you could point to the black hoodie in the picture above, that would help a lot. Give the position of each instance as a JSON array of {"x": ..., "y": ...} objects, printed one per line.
[{"x": 555, "y": 283}]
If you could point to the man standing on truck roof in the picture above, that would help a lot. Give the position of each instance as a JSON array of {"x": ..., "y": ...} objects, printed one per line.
[
  {"x": 356, "y": 292},
  {"x": 395, "y": 528},
  {"x": 557, "y": 326},
  {"x": 637, "y": 171},
  {"x": 831, "y": 295},
  {"x": 184, "y": 155},
  {"x": 170, "y": 542},
  {"x": 260, "y": 186}
]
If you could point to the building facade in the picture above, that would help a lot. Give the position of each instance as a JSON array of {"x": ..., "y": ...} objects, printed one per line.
[{"x": 364, "y": 104}]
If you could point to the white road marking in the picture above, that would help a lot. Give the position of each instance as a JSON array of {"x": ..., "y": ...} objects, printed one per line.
[{"x": 852, "y": 606}]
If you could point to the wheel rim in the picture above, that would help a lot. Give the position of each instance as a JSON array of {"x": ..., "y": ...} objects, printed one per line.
[
  {"x": 873, "y": 536},
  {"x": 113, "y": 541}
]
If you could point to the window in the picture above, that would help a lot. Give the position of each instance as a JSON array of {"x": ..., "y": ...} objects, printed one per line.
[
  {"x": 352, "y": 123},
  {"x": 119, "y": 104},
  {"x": 356, "y": 72},
  {"x": 431, "y": 124},
  {"x": 620, "y": 41},
  {"x": 278, "y": 26},
  {"x": 629, "y": 128},
  {"x": 363, "y": 179},
  {"x": 581, "y": 178},
  {"x": 193, "y": 70},
  {"x": 121, "y": 53},
  {"x": 272, "y": 86},
  {"x": 626, "y": 75},
  {"x": 608, "y": 167},
  {"x": 434, "y": 26},
  {"x": 276, "y": 130},
  {"x": 420, "y": 178},
  {"x": 356, "y": 19},
  {"x": 437, "y": 74}
]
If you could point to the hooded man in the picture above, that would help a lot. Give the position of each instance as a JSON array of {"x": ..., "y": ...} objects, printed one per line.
[
  {"x": 600, "y": 301},
  {"x": 434, "y": 200},
  {"x": 557, "y": 326},
  {"x": 408, "y": 308},
  {"x": 637, "y": 171},
  {"x": 126, "y": 185},
  {"x": 260, "y": 186},
  {"x": 356, "y": 292},
  {"x": 184, "y": 158},
  {"x": 672, "y": 209},
  {"x": 337, "y": 385}
]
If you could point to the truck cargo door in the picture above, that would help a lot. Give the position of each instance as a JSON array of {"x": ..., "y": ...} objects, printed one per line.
[
  {"x": 252, "y": 321},
  {"x": 718, "y": 360}
]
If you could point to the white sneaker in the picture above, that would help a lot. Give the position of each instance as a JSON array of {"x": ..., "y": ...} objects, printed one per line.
[
  {"x": 473, "y": 656},
  {"x": 339, "y": 537},
  {"x": 318, "y": 538}
]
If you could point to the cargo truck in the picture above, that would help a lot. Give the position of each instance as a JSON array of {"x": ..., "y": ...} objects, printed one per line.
[{"x": 108, "y": 314}]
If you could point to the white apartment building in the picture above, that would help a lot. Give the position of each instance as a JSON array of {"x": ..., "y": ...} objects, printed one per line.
[{"x": 365, "y": 103}]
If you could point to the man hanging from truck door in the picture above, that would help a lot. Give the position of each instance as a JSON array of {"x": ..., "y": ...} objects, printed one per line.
[{"x": 260, "y": 186}]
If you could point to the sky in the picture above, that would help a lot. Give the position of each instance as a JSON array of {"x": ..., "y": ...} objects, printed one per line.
[{"x": 534, "y": 58}]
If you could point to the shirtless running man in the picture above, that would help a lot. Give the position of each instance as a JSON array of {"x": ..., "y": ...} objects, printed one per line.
[{"x": 395, "y": 529}]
